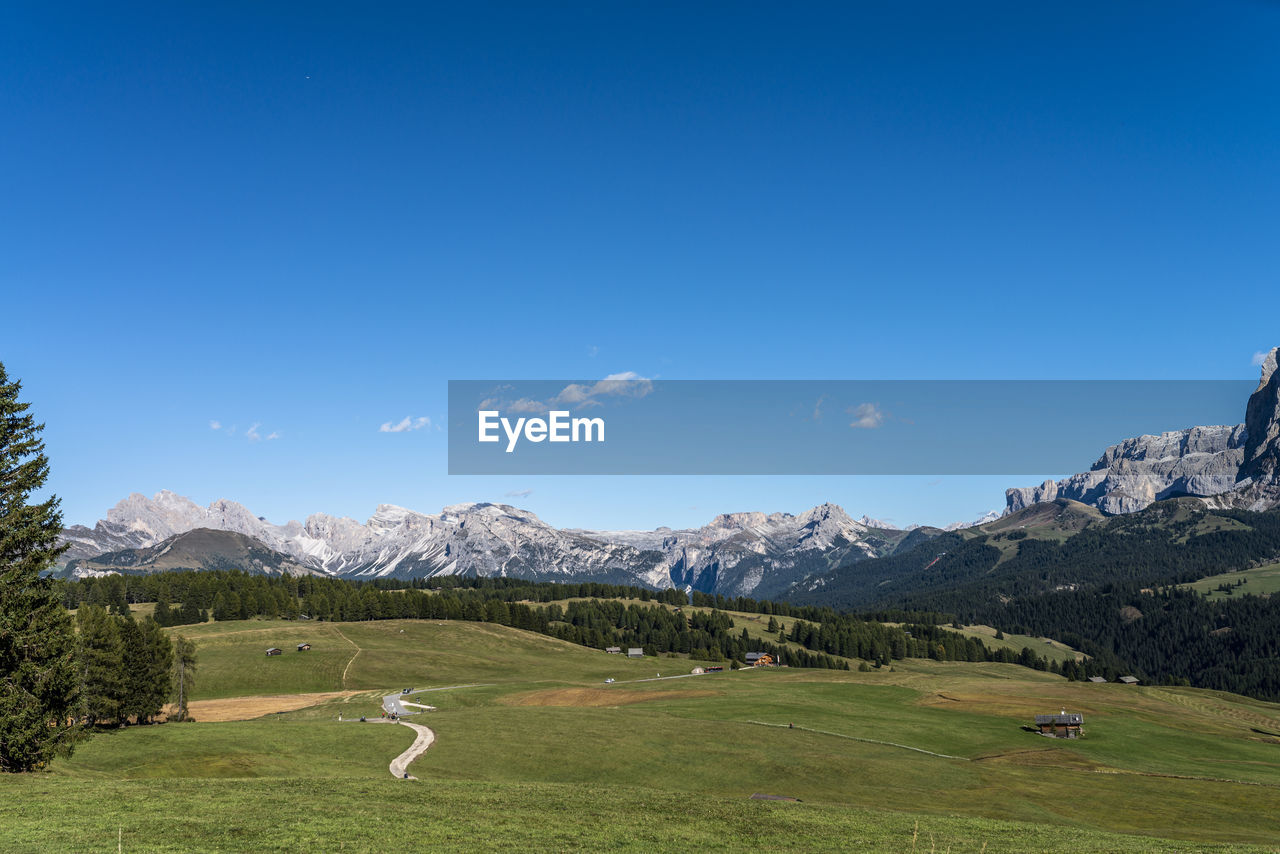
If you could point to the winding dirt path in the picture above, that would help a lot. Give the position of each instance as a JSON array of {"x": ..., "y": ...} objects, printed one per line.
[
  {"x": 353, "y": 658},
  {"x": 400, "y": 765}
]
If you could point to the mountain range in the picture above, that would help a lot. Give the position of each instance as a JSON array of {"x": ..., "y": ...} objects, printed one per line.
[{"x": 735, "y": 554}]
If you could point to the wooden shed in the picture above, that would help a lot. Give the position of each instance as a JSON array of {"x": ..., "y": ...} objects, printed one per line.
[
  {"x": 1062, "y": 725},
  {"x": 303, "y": 647},
  {"x": 635, "y": 652},
  {"x": 1129, "y": 680},
  {"x": 275, "y": 650}
]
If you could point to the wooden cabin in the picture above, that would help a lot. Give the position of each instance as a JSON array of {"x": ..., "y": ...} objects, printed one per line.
[
  {"x": 1062, "y": 725},
  {"x": 759, "y": 659},
  {"x": 635, "y": 652},
  {"x": 303, "y": 647},
  {"x": 275, "y": 650},
  {"x": 1128, "y": 680},
  {"x": 613, "y": 650}
]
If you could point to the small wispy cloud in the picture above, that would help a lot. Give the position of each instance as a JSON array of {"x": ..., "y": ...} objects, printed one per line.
[
  {"x": 525, "y": 404},
  {"x": 817, "y": 408},
  {"x": 625, "y": 384},
  {"x": 252, "y": 433},
  {"x": 1259, "y": 358},
  {"x": 406, "y": 424},
  {"x": 230, "y": 429},
  {"x": 272, "y": 435},
  {"x": 866, "y": 416},
  {"x": 518, "y": 493},
  {"x": 593, "y": 351}
]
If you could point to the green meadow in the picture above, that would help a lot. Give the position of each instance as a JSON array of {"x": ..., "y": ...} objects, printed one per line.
[
  {"x": 1262, "y": 580},
  {"x": 539, "y": 753}
]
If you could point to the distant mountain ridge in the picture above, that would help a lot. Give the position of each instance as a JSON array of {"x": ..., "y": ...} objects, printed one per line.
[
  {"x": 198, "y": 549},
  {"x": 1229, "y": 466},
  {"x": 735, "y": 554}
]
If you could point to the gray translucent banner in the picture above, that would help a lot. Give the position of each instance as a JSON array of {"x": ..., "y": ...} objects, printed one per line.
[{"x": 631, "y": 425}]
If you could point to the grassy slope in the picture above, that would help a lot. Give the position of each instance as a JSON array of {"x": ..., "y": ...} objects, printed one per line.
[
  {"x": 1047, "y": 647},
  {"x": 526, "y": 762},
  {"x": 1264, "y": 579}
]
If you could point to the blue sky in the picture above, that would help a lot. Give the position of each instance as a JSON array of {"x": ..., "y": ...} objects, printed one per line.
[{"x": 309, "y": 217}]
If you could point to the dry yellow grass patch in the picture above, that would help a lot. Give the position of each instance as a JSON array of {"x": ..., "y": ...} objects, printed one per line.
[
  {"x": 598, "y": 697},
  {"x": 1006, "y": 705},
  {"x": 247, "y": 708}
]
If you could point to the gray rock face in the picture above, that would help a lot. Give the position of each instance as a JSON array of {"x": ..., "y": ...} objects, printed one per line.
[
  {"x": 1262, "y": 451},
  {"x": 1225, "y": 466},
  {"x": 1199, "y": 461},
  {"x": 1258, "y": 482}
]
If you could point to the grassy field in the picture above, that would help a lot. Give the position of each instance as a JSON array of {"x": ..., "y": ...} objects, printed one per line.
[
  {"x": 1259, "y": 581},
  {"x": 358, "y": 815},
  {"x": 1047, "y": 647},
  {"x": 543, "y": 755}
]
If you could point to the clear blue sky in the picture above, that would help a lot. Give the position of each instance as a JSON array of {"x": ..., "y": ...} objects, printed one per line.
[{"x": 309, "y": 217}]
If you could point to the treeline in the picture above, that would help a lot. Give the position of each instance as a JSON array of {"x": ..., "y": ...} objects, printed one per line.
[
  {"x": 192, "y": 597},
  {"x": 126, "y": 667},
  {"x": 1169, "y": 634},
  {"x": 705, "y": 636},
  {"x": 594, "y": 615}
]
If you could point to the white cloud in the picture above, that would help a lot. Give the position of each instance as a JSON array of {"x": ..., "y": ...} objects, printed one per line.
[
  {"x": 1259, "y": 358},
  {"x": 252, "y": 433},
  {"x": 518, "y": 493},
  {"x": 405, "y": 424},
  {"x": 215, "y": 425},
  {"x": 817, "y": 407},
  {"x": 625, "y": 384},
  {"x": 524, "y": 404},
  {"x": 273, "y": 435},
  {"x": 866, "y": 416}
]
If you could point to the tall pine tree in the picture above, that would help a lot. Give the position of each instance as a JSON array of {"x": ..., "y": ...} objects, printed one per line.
[
  {"x": 101, "y": 665},
  {"x": 39, "y": 687}
]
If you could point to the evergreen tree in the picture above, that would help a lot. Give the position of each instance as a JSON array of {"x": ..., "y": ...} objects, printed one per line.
[
  {"x": 101, "y": 664},
  {"x": 191, "y": 613},
  {"x": 159, "y": 665},
  {"x": 39, "y": 691},
  {"x": 134, "y": 671}
]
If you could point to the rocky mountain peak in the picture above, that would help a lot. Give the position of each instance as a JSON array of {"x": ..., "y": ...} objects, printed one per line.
[
  {"x": 1262, "y": 419},
  {"x": 1227, "y": 466}
]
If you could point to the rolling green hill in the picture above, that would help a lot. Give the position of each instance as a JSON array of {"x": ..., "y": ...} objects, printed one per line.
[{"x": 1259, "y": 581}]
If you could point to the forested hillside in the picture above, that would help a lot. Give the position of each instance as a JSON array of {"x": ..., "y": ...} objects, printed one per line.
[{"x": 1108, "y": 589}]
